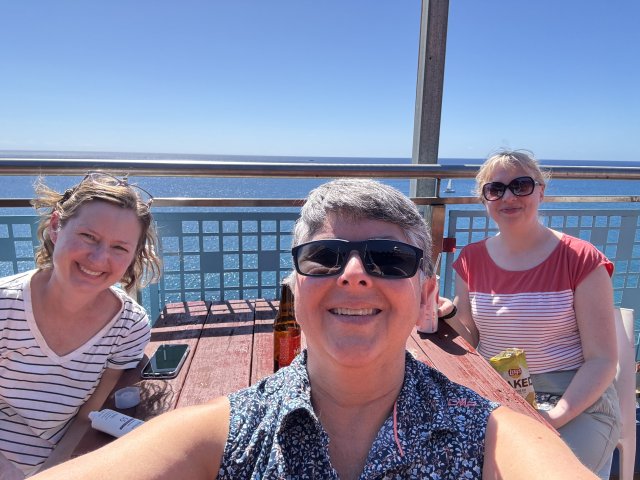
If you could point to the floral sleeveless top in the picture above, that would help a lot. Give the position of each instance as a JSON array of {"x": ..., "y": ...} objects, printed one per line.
[{"x": 275, "y": 434}]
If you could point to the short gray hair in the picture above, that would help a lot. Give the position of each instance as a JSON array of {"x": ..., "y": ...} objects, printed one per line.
[{"x": 362, "y": 199}]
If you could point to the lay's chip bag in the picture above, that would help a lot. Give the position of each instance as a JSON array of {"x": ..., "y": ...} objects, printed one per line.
[{"x": 512, "y": 365}]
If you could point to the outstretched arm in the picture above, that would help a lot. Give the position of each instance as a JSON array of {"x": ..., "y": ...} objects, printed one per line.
[
  {"x": 517, "y": 446},
  {"x": 186, "y": 443}
]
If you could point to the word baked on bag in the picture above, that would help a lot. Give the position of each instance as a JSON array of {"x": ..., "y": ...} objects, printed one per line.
[{"x": 512, "y": 365}]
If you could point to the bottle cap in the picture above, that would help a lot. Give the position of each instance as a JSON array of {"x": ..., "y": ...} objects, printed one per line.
[{"x": 127, "y": 397}]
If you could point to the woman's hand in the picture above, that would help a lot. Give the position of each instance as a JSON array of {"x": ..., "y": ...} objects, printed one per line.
[
  {"x": 445, "y": 307},
  {"x": 556, "y": 416}
]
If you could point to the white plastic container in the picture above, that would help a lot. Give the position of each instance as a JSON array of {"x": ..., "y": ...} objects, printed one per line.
[
  {"x": 112, "y": 422},
  {"x": 127, "y": 397},
  {"x": 429, "y": 324}
]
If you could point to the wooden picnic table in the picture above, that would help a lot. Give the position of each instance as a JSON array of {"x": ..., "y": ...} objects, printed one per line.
[{"x": 232, "y": 347}]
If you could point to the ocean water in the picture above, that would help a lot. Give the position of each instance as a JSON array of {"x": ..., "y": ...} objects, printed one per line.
[{"x": 22, "y": 186}]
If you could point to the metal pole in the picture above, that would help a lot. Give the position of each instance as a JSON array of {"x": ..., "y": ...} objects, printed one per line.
[{"x": 426, "y": 129}]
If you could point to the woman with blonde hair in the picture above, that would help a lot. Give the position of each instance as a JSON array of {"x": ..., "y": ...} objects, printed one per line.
[
  {"x": 66, "y": 333},
  {"x": 550, "y": 294}
]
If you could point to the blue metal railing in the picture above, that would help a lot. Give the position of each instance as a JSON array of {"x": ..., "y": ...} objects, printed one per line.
[{"x": 227, "y": 255}]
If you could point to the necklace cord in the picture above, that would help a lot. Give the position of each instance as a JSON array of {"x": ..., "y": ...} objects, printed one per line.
[{"x": 395, "y": 427}]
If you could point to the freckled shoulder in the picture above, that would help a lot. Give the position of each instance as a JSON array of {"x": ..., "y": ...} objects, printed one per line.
[{"x": 518, "y": 446}]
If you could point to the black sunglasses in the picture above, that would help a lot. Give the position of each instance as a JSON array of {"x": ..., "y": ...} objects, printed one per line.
[
  {"x": 520, "y": 187},
  {"x": 381, "y": 258}
]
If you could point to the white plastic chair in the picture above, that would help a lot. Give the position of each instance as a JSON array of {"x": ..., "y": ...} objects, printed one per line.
[{"x": 625, "y": 384}]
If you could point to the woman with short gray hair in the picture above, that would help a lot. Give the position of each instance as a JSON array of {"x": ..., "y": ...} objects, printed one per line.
[{"x": 355, "y": 404}]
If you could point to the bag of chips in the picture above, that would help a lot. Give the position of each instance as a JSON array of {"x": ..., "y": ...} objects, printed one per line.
[{"x": 512, "y": 365}]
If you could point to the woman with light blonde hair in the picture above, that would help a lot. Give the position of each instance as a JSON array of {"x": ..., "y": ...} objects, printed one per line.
[{"x": 549, "y": 294}]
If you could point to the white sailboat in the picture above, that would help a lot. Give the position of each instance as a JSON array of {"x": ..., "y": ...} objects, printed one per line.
[{"x": 450, "y": 188}]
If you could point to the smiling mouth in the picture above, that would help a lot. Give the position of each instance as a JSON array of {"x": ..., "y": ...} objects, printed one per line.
[
  {"x": 355, "y": 311},
  {"x": 89, "y": 272}
]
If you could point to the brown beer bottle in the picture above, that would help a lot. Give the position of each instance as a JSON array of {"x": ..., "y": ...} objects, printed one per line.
[{"x": 286, "y": 331}]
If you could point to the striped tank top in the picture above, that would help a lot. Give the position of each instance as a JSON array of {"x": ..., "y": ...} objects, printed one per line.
[{"x": 530, "y": 309}]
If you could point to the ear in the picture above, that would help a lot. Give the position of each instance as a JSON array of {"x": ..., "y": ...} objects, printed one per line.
[
  {"x": 54, "y": 227},
  {"x": 542, "y": 187}
]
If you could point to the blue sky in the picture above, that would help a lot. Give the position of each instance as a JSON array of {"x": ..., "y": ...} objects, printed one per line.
[{"x": 317, "y": 78}]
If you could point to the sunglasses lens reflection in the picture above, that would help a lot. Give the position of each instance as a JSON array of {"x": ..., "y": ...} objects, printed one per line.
[
  {"x": 522, "y": 186},
  {"x": 493, "y": 190},
  {"x": 319, "y": 259},
  {"x": 397, "y": 260}
]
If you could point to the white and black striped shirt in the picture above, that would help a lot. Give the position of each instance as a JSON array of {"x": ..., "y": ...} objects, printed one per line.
[{"x": 40, "y": 392}]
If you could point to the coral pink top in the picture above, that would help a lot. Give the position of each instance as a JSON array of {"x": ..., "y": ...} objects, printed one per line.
[{"x": 530, "y": 309}]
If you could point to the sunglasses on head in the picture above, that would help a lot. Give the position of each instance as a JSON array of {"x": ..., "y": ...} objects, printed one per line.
[
  {"x": 520, "y": 187},
  {"x": 103, "y": 178},
  {"x": 381, "y": 258}
]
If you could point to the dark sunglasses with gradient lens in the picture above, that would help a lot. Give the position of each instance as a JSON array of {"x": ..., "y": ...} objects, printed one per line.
[
  {"x": 381, "y": 258},
  {"x": 520, "y": 187}
]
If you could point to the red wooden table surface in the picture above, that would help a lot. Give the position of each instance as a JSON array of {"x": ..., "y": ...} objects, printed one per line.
[
  {"x": 232, "y": 347},
  {"x": 178, "y": 323},
  {"x": 452, "y": 355}
]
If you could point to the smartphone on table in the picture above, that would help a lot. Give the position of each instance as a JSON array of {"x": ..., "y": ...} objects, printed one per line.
[{"x": 166, "y": 361}]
